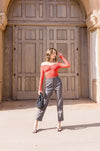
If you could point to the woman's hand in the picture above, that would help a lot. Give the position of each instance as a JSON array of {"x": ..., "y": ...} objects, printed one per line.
[
  {"x": 40, "y": 92},
  {"x": 59, "y": 54}
]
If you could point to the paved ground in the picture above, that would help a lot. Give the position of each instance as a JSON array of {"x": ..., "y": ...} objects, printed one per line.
[{"x": 81, "y": 127}]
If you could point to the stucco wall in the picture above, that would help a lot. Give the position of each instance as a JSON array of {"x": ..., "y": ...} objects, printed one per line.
[
  {"x": 92, "y": 60},
  {"x": 1, "y": 66}
]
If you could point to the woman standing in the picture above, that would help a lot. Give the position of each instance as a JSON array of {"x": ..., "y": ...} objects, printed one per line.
[{"x": 53, "y": 82}]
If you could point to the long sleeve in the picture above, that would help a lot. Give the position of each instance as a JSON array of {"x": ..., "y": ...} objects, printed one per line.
[
  {"x": 66, "y": 64},
  {"x": 41, "y": 78}
]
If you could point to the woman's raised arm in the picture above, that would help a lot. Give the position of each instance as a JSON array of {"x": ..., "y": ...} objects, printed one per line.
[{"x": 66, "y": 64}]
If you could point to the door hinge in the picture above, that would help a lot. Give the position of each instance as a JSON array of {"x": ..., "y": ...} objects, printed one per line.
[
  {"x": 77, "y": 74},
  {"x": 14, "y": 74},
  {"x": 14, "y": 48},
  {"x": 77, "y": 49}
]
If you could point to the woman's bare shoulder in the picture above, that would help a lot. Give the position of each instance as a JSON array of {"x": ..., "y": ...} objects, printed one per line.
[
  {"x": 48, "y": 63},
  {"x": 43, "y": 63}
]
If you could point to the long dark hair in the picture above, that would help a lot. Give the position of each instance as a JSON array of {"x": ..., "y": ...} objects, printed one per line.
[{"x": 48, "y": 54}]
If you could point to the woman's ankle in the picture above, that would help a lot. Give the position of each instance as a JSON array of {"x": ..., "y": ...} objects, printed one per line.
[
  {"x": 59, "y": 124},
  {"x": 35, "y": 124}
]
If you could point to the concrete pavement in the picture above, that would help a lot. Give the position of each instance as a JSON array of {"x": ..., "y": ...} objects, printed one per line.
[{"x": 81, "y": 127}]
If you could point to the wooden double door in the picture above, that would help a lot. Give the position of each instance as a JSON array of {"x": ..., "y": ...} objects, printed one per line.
[{"x": 30, "y": 45}]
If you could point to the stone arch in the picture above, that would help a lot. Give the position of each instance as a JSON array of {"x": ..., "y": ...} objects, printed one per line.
[
  {"x": 78, "y": 21},
  {"x": 86, "y": 4}
]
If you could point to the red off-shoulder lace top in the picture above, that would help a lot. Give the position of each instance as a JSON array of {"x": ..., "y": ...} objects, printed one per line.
[{"x": 51, "y": 70}]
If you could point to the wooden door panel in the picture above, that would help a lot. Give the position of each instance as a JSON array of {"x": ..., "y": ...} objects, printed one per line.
[
  {"x": 29, "y": 45},
  {"x": 65, "y": 40},
  {"x": 29, "y": 59}
]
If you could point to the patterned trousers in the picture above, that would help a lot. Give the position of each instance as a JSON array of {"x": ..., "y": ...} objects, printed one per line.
[{"x": 54, "y": 83}]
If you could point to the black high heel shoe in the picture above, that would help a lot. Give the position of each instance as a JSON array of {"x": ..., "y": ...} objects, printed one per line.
[{"x": 59, "y": 129}]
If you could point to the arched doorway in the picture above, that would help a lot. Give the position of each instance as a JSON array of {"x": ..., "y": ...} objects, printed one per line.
[{"x": 34, "y": 26}]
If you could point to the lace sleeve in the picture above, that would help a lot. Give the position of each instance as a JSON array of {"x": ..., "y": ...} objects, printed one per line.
[{"x": 41, "y": 78}]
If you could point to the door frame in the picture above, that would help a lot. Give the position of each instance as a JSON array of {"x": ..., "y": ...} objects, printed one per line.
[{"x": 14, "y": 88}]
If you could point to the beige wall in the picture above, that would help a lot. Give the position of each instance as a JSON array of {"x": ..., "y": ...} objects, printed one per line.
[
  {"x": 92, "y": 60},
  {"x": 94, "y": 64},
  {"x": 1, "y": 65},
  {"x": 96, "y": 69}
]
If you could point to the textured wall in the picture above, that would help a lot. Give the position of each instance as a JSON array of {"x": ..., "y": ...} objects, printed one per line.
[{"x": 1, "y": 61}]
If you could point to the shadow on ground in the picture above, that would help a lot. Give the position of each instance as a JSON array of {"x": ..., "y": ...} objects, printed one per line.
[
  {"x": 73, "y": 127},
  {"x": 24, "y": 104}
]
